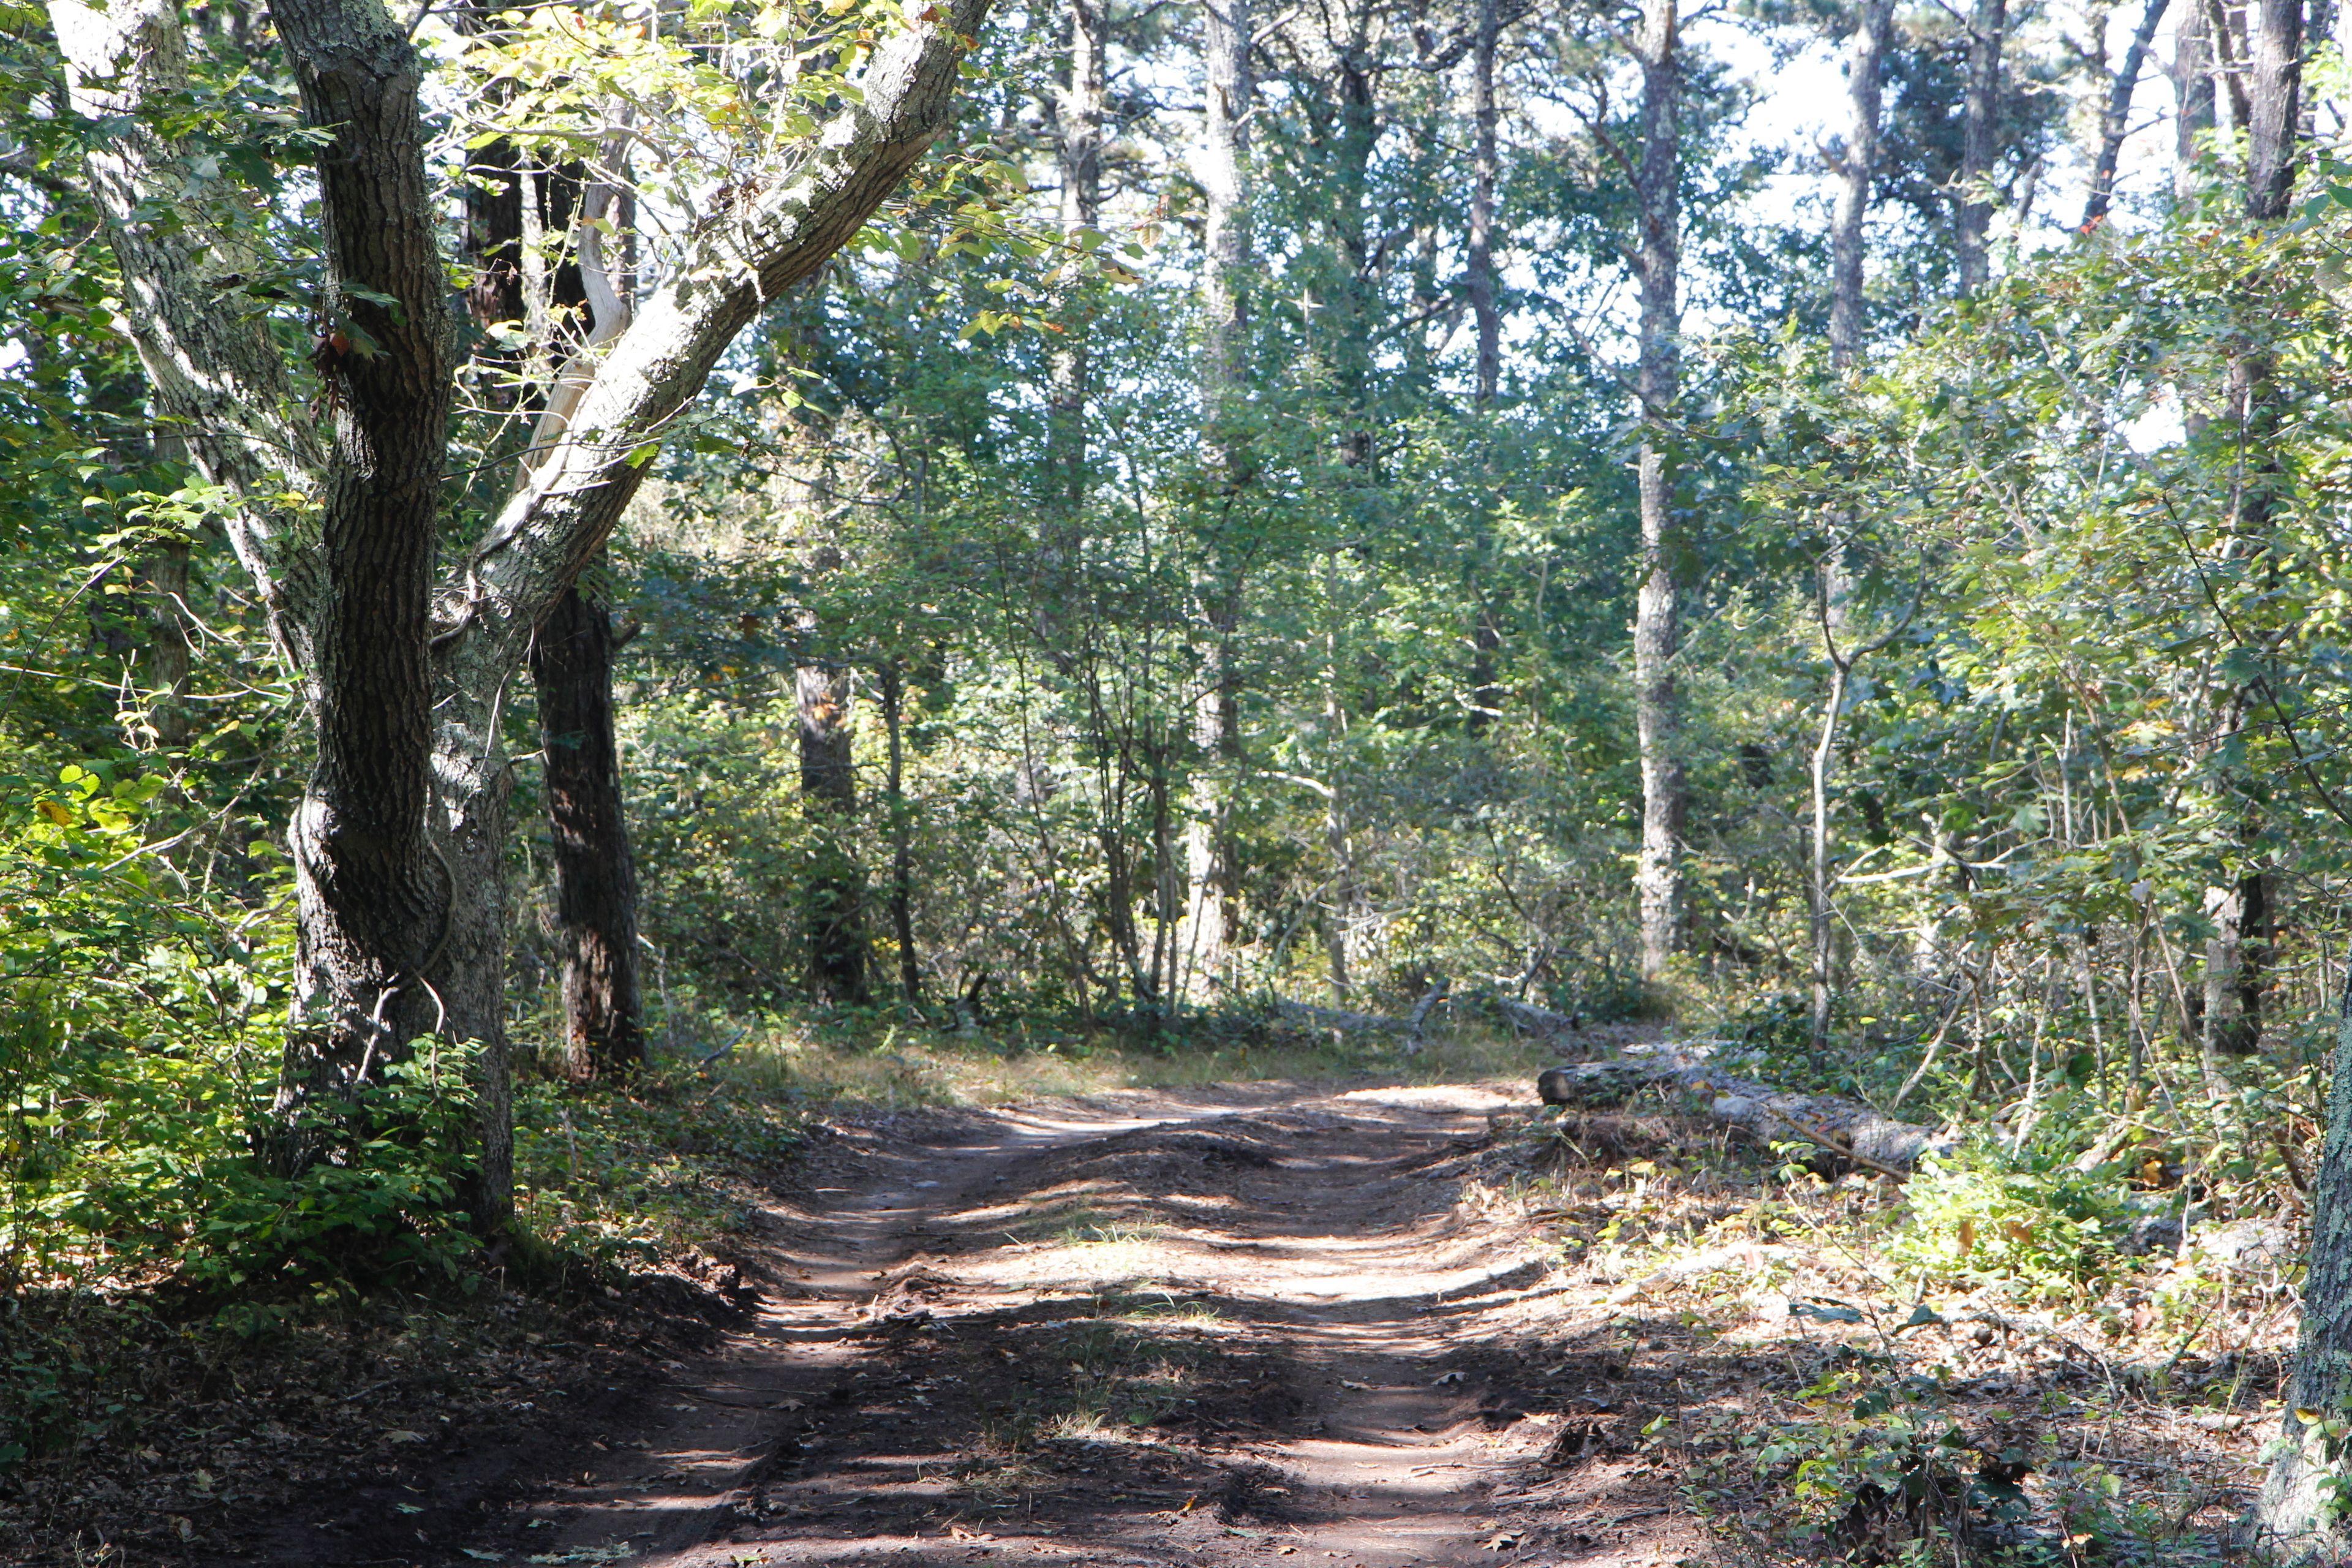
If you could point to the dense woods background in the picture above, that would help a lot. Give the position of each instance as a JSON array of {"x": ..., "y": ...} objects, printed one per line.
[{"x": 1821, "y": 524}]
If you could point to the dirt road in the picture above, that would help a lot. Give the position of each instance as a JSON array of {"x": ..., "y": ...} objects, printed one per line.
[{"x": 1154, "y": 1329}]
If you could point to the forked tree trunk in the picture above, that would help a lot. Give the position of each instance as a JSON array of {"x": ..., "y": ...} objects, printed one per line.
[
  {"x": 1657, "y": 703},
  {"x": 398, "y": 841},
  {"x": 595, "y": 869}
]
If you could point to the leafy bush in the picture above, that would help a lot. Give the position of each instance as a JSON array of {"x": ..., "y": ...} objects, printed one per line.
[
  {"x": 1884, "y": 1473},
  {"x": 1982, "y": 1216},
  {"x": 139, "y": 1044}
]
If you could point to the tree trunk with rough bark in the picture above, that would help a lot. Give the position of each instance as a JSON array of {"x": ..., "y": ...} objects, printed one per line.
[
  {"x": 2296, "y": 1518},
  {"x": 595, "y": 869},
  {"x": 398, "y": 842},
  {"x": 1657, "y": 702},
  {"x": 1873, "y": 31},
  {"x": 2273, "y": 98},
  {"x": 836, "y": 888},
  {"x": 1980, "y": 141}
]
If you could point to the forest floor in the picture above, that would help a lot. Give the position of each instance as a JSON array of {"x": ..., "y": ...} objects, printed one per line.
[{"x": 1371, "y": 1323}]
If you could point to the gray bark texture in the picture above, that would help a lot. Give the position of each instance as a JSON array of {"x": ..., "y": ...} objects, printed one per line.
[
  {"x": 1211, "y": 895},
  {"x": 1841, "y": 1127},
  {"x": 1657, "y": 703},
  {"x": 1478, "y": 280},
  {"x": 399, "y": 839},
  {"x": 1980, "y": 141},
  {"x": 1873, "y": 31},
  {"x": 2273, "y": 97},
  {"x": 2294, "y": 1519},
  {"x": 2192, "y": 93}
]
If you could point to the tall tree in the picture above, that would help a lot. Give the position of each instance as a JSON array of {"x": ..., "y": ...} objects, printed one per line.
[
  {"x": 1855, "y": 166},
  {"x": 1657, "y": 701},
  {"x": 588, "y": 839},
  {"x": 399, "y": 840},
  {"x": 1211, "y": 875},
  {"x": 1980, "y": 141},
  {"x": 2192, "y": 94},
  {"x": 2114, "y": 112},
  {"x": 836, "y": 890},
  {"x": 1078, "y": 131},
  {"x": 1478, "y": 243}
]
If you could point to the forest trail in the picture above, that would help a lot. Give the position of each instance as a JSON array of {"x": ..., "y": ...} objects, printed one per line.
[{"x": 1150, "y": 1328}]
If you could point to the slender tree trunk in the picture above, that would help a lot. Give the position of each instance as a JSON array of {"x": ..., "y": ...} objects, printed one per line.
[
  {"x": 1212, "y": 882},
  {"x": 1479, "y": 258},
  {"x": 595, "y": 869},
  {"x": 170, "y": 657},
  {"x": 1980, "y": 141},
  {"x": 902, "y": 854},
  {"x": 1824, "y": 884},
  {"x": 2114, "y": 114},
  {"x": 2192, "y": 93},
  {"x": 1486, "y": 311},
  {"x": 1657, "y": 609},
  {"x": 1873, "y": 30},
  {"x": 1078, "y": 121},
  {"x": 1226, "y": 245},
  {"x": 837, "y": 891}
]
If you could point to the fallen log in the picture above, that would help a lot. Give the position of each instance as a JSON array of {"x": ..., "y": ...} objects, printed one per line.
[
  {"x": 1414, "y": 1029},
  {"x": 1845, "y": 1127}
]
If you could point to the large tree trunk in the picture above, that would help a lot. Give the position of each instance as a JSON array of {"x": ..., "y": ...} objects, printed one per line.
[
  {"x": 2296, "y": 1518},
  {"x": 1657, "y": 703},
  {"x": 595, "y": 869},
  {"x": 595, "y": 914},
  {"x": 398, "y": 841},
  {"x": 1873, "y": 30},
  {"x": 376, "y": 911},
  {"x": 1980, "y": 141},
  {"x": 2273, "y": 98}
]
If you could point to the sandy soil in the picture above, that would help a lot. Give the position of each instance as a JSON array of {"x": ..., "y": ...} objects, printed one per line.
[{"x": 1149, "y": 1328}]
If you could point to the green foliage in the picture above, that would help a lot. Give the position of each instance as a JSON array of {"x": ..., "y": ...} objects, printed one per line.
[
  {"x": 1985, "y": 1216},
  {"x": 1883, "y": 1472}
]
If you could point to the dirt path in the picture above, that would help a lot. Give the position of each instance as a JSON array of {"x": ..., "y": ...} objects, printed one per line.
[{"x": 1154, "y": 1329}]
